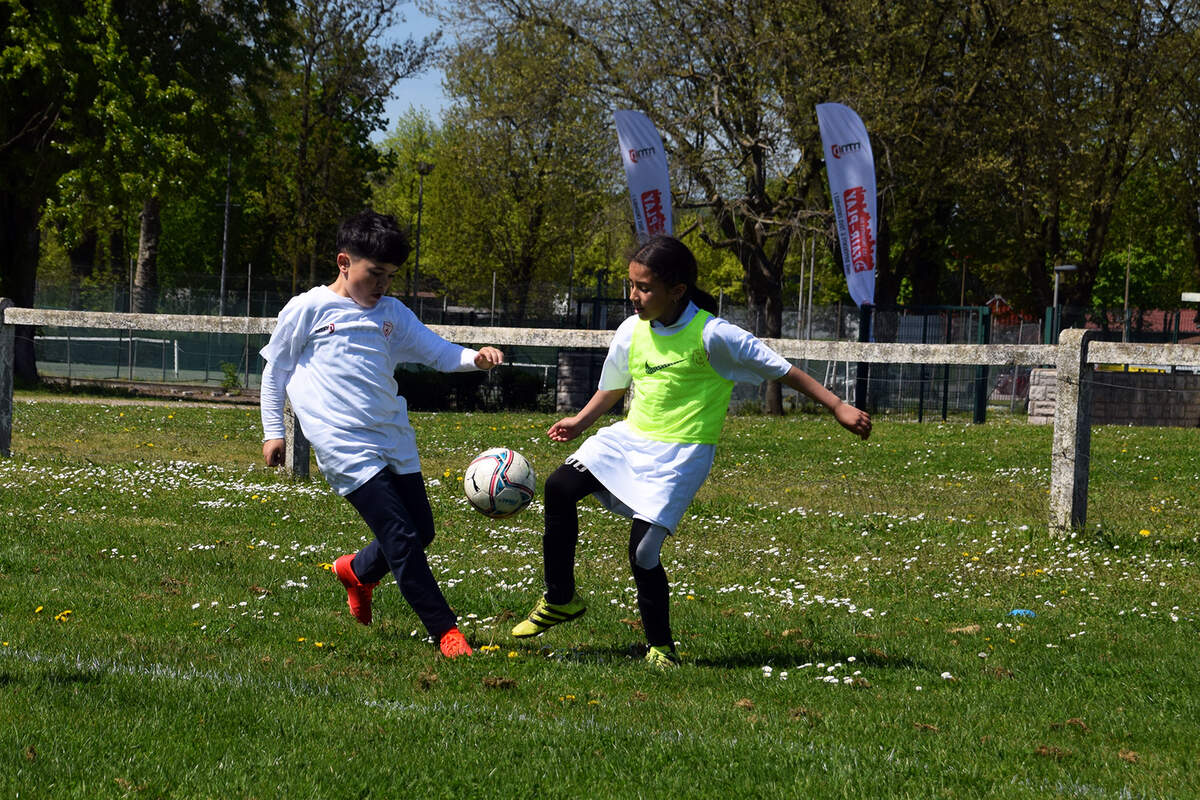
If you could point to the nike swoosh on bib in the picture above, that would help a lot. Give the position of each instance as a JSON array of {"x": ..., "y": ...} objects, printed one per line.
[{"x": 650, "y": 370}]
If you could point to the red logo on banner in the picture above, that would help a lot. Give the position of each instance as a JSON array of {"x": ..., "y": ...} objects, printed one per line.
[
  {"x": 635, "y": 154},
  {"x": 838, "y": 149},
  {"x": 858, "y": 226},
  {"x": 656, "y": 220}
]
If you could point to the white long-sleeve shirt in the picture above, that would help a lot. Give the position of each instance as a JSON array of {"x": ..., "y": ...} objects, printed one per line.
[
  {"x": 336, "y": 362},
  {"x": 652, "y": 480}
]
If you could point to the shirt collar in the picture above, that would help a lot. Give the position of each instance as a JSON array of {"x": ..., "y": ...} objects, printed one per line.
[{"x": 678, "y": 324}]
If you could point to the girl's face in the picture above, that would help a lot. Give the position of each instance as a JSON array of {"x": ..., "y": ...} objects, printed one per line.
[
  {"x": 362, "y": 280},
  {"x": 652, "y": 299}
]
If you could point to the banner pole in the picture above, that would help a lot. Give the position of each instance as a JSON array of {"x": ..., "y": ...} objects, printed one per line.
[{"x": 864, "y": 367}]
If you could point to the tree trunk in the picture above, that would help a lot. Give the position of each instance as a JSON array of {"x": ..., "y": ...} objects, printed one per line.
[
  {"x": 18, "y": 270},
  {"x": 83, "y": 260},
  {"x": 145, "y": 281}
]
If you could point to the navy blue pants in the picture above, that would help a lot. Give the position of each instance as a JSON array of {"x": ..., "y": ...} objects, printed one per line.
[{"x": 396, "y": 509}]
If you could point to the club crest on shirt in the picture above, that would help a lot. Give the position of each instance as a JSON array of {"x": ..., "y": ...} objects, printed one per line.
[{"x": 387, "y": 330}]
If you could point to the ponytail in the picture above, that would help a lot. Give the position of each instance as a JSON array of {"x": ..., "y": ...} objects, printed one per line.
[{"x": 703, "y": 300}]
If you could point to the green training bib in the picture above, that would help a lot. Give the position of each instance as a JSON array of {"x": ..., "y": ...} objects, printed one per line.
[{"x": 678, "y": 396}]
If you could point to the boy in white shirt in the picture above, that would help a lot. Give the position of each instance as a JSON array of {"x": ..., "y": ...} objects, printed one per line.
[{"x": 334, "y": 353}]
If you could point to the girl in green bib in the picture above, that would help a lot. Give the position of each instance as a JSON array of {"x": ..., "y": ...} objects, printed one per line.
[{"x": 682, "y": 361}]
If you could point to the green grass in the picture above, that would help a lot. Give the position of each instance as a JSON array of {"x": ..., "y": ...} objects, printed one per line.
[{"x": 207, "y": 652}]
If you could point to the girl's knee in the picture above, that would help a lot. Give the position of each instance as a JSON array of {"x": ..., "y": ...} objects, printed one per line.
[
  {"x": 645, "y": 545},
  {"x": 566, "y": 485}
]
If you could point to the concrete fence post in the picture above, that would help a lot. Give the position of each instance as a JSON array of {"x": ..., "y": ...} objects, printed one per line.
[
  {"x": 8, "y": 345},
  {"x": 297, "y": 447},
  {"x": 1071, "y": 452}
]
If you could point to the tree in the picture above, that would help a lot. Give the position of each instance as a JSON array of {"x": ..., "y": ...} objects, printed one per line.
[
  {"x": 521, "y": 173},
  {"x": 708, "y": 74},
  {"x": 41, "y": 72},
  {"x": 163, "y": 89},
  {"x": 329, "y": 100}
]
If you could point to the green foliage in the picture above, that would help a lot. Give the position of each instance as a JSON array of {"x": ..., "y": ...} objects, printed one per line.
[
  {"x": 1014, "y": 136},
  {"x": 326, "y": 101},
  {"x": 231, "y": 381},
  {"x": 521, "y": 163}
]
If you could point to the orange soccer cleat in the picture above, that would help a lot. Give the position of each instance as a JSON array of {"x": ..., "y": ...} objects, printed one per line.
[
  {"x": 358, "y": 594},
  {"x": 454, "y": 644}
]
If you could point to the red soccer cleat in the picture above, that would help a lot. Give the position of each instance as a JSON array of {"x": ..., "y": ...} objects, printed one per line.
[
  {"x": 454, "y": 644},
  {"x": 358, "y": 594}
]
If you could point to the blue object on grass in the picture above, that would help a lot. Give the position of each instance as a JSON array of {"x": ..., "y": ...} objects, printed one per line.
[{"x": 1021, "y": 612}]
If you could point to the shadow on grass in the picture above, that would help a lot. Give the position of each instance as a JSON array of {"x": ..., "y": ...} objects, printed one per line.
[{"x": 783, "y": 656}]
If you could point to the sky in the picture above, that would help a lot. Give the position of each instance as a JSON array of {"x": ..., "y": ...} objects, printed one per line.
[{"x": 423, "y": 91}]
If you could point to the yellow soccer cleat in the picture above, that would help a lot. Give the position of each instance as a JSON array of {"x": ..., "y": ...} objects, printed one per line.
[{"x": 546, "y": 615}]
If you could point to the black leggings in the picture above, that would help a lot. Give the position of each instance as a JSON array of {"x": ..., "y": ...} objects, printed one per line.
[{"x": 565, "y": 487}]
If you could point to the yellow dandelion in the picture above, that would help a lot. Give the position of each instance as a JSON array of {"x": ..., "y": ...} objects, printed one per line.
[
  {"x": 513, "y": 654},
  {"x": 38, "y": 610},
  {"x": 301, "y": 639},
  {"x": 318, "y": 644},
  {"x": 1144, "y": 532}
]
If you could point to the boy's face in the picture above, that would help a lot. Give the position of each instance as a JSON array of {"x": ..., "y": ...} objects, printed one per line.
[{"x": 362, "y": 280}]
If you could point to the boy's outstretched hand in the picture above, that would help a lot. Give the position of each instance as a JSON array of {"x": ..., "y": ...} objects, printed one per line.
[
  {"x": 488, "y": 357},
  {"x": 274, "y": 451},
  {"x": 856, "y": 421}
]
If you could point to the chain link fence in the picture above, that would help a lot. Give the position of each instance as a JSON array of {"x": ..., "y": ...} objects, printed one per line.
[{"x": 901, "y": 391}]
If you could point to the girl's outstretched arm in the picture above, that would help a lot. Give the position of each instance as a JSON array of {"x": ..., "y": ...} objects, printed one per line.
[
  {"x": 850, "y": 418},
  {"x": 568, "y": 428}
]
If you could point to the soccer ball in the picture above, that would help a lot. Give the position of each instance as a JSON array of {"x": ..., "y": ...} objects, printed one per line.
[{"x": 499, "y": 483}]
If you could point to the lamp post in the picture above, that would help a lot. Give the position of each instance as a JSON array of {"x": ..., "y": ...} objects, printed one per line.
[
  {"x": 1058, "y": 270},
  {"x": 423, "y": 169}
]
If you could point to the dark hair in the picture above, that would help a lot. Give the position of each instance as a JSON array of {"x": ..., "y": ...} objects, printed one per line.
[
  {"x": 672, "y": 262},
  {"x": 377, "y": 237}
]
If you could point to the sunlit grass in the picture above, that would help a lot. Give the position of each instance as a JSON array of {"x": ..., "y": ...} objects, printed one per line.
[{"x": 845, "y": 610}]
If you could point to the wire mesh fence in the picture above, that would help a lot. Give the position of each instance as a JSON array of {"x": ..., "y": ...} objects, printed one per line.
[{"x": 917, "y": 392}]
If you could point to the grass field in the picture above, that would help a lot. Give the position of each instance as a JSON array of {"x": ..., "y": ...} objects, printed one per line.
[{"x": 169, "y": 627}]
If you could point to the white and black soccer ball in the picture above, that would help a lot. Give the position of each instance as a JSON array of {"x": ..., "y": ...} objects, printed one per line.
[{"x": 499, "y": 482}]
